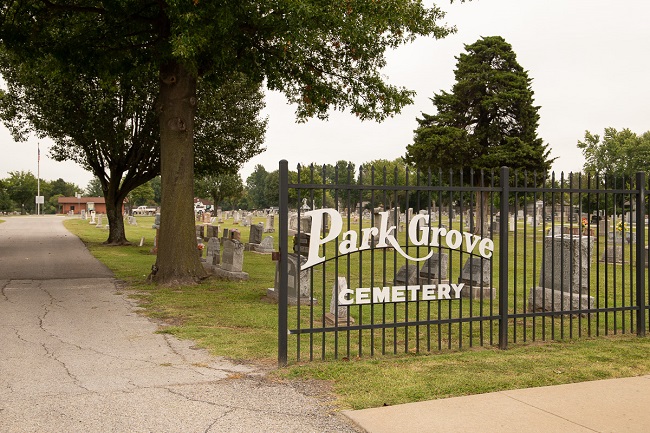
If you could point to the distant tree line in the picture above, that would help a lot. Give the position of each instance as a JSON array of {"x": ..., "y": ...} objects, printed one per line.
[{"x": 18, "y": 193}]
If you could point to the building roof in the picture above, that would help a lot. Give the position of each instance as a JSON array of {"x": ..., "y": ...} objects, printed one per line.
[{"x": 75, "y": 200}]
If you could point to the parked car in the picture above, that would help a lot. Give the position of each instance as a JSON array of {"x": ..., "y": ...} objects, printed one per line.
[
  {"x": 199, "y": 208},
  {"x": 144, "y": 210}
]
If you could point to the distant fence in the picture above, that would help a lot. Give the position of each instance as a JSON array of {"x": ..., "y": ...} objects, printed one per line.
[{"x": 387, "y": 262}]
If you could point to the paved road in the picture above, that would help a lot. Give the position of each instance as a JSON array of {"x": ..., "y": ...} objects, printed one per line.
[{"x": 76, "y": 357}]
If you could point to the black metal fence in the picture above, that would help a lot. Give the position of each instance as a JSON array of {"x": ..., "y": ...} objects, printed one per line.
[{"x": 396, "y": 261}]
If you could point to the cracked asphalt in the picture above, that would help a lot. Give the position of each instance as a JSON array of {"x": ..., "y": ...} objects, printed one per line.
[{"x": 75, "y": 356}]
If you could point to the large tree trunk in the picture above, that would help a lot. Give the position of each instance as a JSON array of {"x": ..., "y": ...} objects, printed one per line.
[
  {"x": 114, "y": 203},
  {"x": 178, "y": 260}
]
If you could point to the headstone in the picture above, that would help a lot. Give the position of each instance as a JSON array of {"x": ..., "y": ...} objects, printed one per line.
[
  {"x": 270, "y": 220},
  {"x": 99, "y": 221},
  {"x": 92, "y": 217},
  {"x": 236, "y": 218},
  {"x": 305, "y": 224},
  {"x": 293, "y": 224},
  {"x": 613, "y": 254},
  {"x": 235, "y": 235},
  {"x": 83, "y": 214},
  {"x": 211, "y": 231},
  {"x": 200, "y": 231},
  {"x": 232, "y": 261},
  {"x": 301, "y": 243},
  {"x": 298, "y": 282},
  {"x": 476, "y": 275},
  {"x": 407, "y": 275},
  {"x": 511, "y": 223},
  {"x": 435, "y": 269},
  {"x": 213, "y": 252},
  {"x": 266, "y": 246},
  {"x": 603, "y": 226},
  {"x": 256, "y": 232},
  {"x": 338, "y": 314},
  {"x": 233, "y": 256},
  {"x": 156, "y": 222},
  {"x": 564, "y": 277}
]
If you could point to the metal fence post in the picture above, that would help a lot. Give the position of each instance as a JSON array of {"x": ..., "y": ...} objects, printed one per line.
[
  {"x": 640, "y": 254},
  {"x": 283, "y": 266},
  {"x": 503, "y": 257}
]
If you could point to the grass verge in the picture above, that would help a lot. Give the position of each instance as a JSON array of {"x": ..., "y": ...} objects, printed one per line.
[{"x": 232, "y": 319}]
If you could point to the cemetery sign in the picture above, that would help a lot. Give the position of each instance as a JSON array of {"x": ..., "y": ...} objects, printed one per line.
[{"x": 419, "y": 234}]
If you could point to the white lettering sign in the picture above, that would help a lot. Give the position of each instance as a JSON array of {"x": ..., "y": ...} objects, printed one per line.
[
  {"x": 378, "y": 295},
  {"x": 419, "y": 234}
]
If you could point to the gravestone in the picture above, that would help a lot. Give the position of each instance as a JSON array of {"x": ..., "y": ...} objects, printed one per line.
[
  {"x": 270, "y": 221},
  {"x": 338, "y": 314},
  {"x": 292, "y": 229},
  {"x": 83, "y": 214},
  {"x": 99, "y": 221},
  {"x": 256, "y": 232},
  {"x": 235, "y": 235},
  {"x": 407, "y": 275},
  {"x": 301, "y": 243},
  {"x": 511, "y": 223},
  {"x": 92, "y": 217},
  {"x": 213, "y": 252},
  {"x": 435, "y": 269},
  {"x": 232, "y": 261},
  {"x": 305, "y": 224},
  {"x": 298, "y": 282},
  {"x": 156, "y": 222},
  {"x": 613, "y": 254},
  {"x": 236, "y": 217},
  {"x": 266, "y": 246},
  {"x": 212, "y": 231},
  {"x": 476, "y": 275},
  {"x": 200, "y": 231},
  {"x": 564, "y": 276}
]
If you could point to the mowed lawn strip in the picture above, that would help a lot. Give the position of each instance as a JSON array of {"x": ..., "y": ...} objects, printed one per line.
[{"x": 234, "y": 320}]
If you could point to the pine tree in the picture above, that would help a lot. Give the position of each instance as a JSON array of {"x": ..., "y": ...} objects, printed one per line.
[{"x": 487, "y": 121}]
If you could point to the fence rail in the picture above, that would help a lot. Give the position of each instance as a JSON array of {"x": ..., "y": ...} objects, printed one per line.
[{"x": 386, "y": 262}]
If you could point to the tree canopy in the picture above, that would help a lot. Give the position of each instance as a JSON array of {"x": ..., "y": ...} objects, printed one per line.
[
  {"x": 618, "y": 152},
  {"x": 322, "y": 55},
  {"x": 488, "y": 119}
]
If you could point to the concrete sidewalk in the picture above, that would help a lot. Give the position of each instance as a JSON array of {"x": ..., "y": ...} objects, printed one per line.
[
  {"x": 76, "y": 357},
  {"x": 615, "y": 405}
]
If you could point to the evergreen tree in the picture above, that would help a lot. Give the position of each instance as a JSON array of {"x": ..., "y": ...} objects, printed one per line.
[{"x": 487, "y": 121}]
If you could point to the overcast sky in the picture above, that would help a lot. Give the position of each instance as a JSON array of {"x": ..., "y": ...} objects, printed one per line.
[{"x": 589, "y": 61}]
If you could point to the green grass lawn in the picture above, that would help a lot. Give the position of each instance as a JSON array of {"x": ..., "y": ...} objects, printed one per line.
[{"x": 235, "y": 320}]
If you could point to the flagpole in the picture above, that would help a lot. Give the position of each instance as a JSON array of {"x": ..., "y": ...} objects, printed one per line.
[{"x": 38, "y": 192}]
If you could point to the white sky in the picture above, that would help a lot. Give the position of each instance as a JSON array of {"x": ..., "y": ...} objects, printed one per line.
[{"x": 589, "y": 61}]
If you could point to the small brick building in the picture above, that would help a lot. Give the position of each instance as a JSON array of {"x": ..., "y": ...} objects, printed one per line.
[{"x": 74, "y": 204}]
